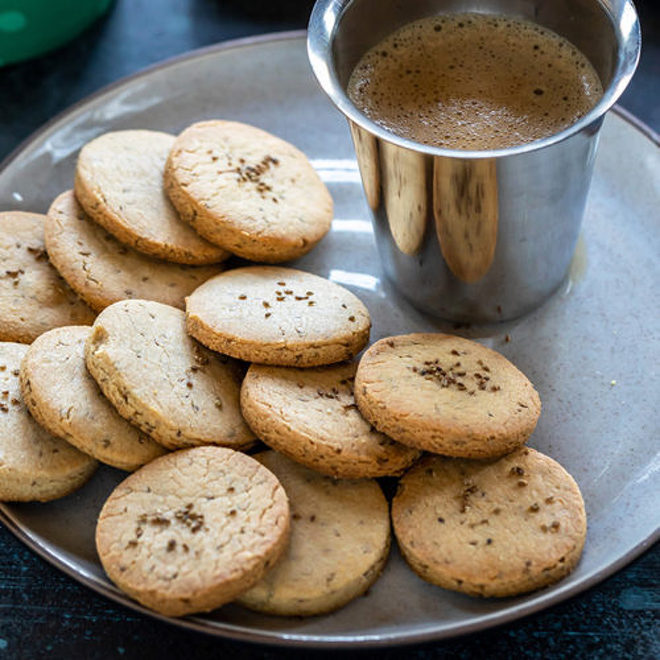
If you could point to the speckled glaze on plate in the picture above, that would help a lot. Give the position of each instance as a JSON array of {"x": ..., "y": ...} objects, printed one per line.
[{"x": 592, "y": 350}]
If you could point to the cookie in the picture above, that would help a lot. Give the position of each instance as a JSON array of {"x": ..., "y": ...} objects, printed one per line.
[
  {"x": 340, "y": 540},
  {"x": 310, "y": 415},
  {"x": 119, "y": 184},
  {"x": 192, "y": 530},
  {"x": 62, "y": 396},
  {"x": 247, "y": 191},
  {"x": 490, "y": 528},
  {"x": 162, "y": 380},
  {"x": 34, "y": 465},
  {"x": 102, "y": 270},
  {"x": 278, "y": 316},
  {"x": 447, "y": 395},
  {"x": 33, "y": 296}
]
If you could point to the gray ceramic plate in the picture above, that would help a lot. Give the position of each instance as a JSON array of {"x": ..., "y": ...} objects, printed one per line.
[{"x": 592, "y": 350}]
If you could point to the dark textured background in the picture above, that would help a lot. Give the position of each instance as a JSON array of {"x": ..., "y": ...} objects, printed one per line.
[{"x": 44, "y": 613}]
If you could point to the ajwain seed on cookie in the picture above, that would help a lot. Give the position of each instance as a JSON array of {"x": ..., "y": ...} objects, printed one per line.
[
  {"x": 446, "y": 394},
  {"x": 490, "y": 528},
  {"x": 33, "y": 296},
  {"x": 103, "y": 271},
  {"x": 340, "y": 541},
  {"x": 247, "y": 191},
  {"x": 64, "y": 398},
  {"x": 193, "y": 529},
  {"x": 310, "y": 415},
  {"x": 279, "y": 316},
  {"x": 162, "y": 380},
  {"x": 34, "y": 465},
  {"x": 119, "y": 184}
]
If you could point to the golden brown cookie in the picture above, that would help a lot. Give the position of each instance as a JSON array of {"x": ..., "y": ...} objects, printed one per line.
[
  {"x": 340, "y": 540},
  {"x": 119, "y": 184},
  {"x": 310, "y": 415},
  {"x": 62, "y": 396},
  {"x": 279, "y": 316},
  {"x": 162, "y": 380},
  {"x": 102, "y": 270},
  {"x": 192, "y": 530},
  {"x": 33, "y": 296},
  {"x": 447, "y": 395},
  {"x": 490, "y": 528},
  {"x": 34, "y": 465},
  {"x": 247, "y": 191}
]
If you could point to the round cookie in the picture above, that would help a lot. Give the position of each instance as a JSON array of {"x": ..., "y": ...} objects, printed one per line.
[
  {"x": 192, "y": 530},
  {"x": 162, "y": 380},
  {"x": 33, "y": 296},
  {"x": 447, "y": 395},
  {"x": 62, "y": 396},
  {"x": 310, "y": 416},
  {"x": 119, "y": 184},
  {"x": 340, "y": 540},
  {"x": 247, "y": 191},
  {"x": 490, "y": 528},
  {"x": 102, "y": 270},
  {"x": 279, "y": 316},
  {"x": 34, "y": 465}
]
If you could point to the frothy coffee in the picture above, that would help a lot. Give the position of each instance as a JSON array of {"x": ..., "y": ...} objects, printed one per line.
[{"x": 474, "y": 81}]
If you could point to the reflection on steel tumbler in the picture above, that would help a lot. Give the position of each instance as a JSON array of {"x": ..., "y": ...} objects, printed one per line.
[
  {"x": 465, "y": 212},
  {"x": 481, "y": 235}
]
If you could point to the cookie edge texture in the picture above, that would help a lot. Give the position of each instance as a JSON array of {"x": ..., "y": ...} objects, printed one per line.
[
  {"x": 210, "y": 599},
  {"x": 526, "y": 584},
  {"x": 281, "y": 437},
  {"x": 414, "y": 433},
  {"x": 220, "y": 230}
]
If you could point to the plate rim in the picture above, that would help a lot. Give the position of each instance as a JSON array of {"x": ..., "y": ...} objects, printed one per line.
[
  {"x": 281, "y": 638},
  {"x": 229, "y": 44}
]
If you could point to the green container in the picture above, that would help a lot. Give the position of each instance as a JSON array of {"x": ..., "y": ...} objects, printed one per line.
[{"x": 31, "y": 27}]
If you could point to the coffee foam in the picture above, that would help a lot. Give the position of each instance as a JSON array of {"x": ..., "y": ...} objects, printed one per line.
[{"x": 474, "y": 81}]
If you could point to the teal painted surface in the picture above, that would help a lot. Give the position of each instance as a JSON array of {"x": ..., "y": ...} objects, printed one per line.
[
  {"x": 31, "y": 27},
  {"x": 44, "y": 613},
  {"x": 639, "y": 598}
]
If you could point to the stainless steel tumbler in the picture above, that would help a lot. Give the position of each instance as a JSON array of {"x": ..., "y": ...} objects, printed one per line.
[{"x": 475, "y": 236}]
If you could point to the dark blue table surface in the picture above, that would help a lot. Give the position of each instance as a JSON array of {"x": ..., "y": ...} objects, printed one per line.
[{"x": 44, "y": 613}]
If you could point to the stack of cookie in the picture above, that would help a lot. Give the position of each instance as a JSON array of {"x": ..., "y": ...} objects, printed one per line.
[
  {"x": 120, "y": 237},
  {"x": 159, "y": 384},
  {"x": 184, "y": 395},
  {"x": 496, "y": 518}
]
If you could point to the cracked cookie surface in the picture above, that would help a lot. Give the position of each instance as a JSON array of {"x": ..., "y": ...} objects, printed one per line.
[
  {"x": 447, "y": 395},
  {"x": 340, "y": 540},
  {"x": 119, "y": 183},
  {"x": 247, "y": 191},
  {"x": 192, "y": 530},
  {"x": 102, "y": 270},
  {"x": 490, "y": 528},
  {"x": 279, "y": 316},
  {"x": 160, "y": 379},
  {"x": 310, "y": 415},
  {"x": 62, "y": 396},
  {"x": 33, "y": 296},
  {"x": 34, "y": 465}
]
